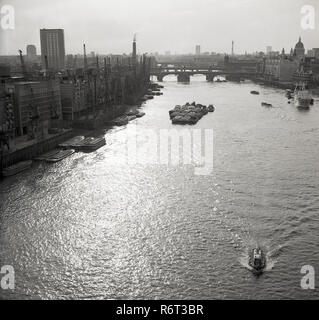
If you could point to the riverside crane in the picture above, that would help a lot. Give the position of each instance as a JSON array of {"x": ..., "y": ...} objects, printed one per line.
[{"x": 24, "y": 69}]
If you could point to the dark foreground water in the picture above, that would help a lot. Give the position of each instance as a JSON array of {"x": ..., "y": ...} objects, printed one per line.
[{"x": 93, "y": 228}]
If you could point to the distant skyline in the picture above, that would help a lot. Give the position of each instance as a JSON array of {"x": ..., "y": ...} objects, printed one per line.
[{"x": 169, "y": 25}]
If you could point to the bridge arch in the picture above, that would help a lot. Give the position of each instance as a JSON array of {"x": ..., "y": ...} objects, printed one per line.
[
  {"x": 184, "y": 74},
  {"x": 181, "y": 75}
]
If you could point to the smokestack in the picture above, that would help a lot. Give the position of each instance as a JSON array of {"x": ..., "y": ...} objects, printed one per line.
[
  {"x": 232, "y": 48},
  {"x": 85, "y": 58}
]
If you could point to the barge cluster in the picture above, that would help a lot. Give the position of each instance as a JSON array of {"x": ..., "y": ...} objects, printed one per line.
[{"x": 189, "y": 113}]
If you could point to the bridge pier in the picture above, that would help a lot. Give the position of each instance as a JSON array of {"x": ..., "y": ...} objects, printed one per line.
[
  {"x": 160, "y": 78},
  {"x": 182, "y": 77},
  {"x": 210, "y": 77},
  {"x": 233, "y": 77}
]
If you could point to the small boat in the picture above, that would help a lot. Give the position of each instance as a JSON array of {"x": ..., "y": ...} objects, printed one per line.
[
  {"x": 302, "y": 97},
  {"x": 147, "y": 97},
  {"x": 121, "y": 121},
  {"x": 131, "y": 118},
  {"x": 131, "y": 113},
  {"x": 211, "y": 108},
  {"x": 257, "y": 260},
  {"x": 265, "y": 104},
  {"x": 254, "y": 92},
  {"x": 47, "y": 155},
  {"x": 62, "y": 154},
  {"x": 68, "y": 144},
  {"x": 90, "y": 144},
  {"x": 16, "y": 168},
  {"x": 140, "y": 115}
]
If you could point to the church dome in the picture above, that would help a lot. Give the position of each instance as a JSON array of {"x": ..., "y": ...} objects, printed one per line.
[{"x": 299, "y": 45}]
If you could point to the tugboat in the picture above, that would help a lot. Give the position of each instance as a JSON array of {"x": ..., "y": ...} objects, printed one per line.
[{"x": 257, "y": 260}]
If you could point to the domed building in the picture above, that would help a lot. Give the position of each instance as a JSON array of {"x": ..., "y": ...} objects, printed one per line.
[{"x": 299, "y": 49}]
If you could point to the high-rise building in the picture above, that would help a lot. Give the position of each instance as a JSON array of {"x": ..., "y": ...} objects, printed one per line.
[
  {"x": 197, "y": 50},
  {"x": 31, "y": 52},
  {"x": 53, "y": 48}
]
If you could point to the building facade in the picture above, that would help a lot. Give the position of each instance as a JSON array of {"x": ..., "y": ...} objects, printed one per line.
[
  {"x": 37, "y": 106},
  {"x": 52, "y": 49},
  {"x": 280, "y": 68},
  {"x": 74, "y": 99},
  {"x": 7, "y": 123}
]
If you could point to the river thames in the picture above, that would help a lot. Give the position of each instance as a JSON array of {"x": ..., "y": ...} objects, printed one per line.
[{"x": 91, "y": 228}]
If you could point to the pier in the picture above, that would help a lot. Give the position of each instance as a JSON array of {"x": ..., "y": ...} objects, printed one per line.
[{"x": 26, "y": 150}]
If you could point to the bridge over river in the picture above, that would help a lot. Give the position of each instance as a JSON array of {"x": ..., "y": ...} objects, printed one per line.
[{"x": 184, "y": 73}]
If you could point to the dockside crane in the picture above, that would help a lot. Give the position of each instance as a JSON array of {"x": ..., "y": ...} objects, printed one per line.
[{"x": 23, "y": 67}]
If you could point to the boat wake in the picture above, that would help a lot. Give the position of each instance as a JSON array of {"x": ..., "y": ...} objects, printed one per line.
[{"x": 271, "y": 256}]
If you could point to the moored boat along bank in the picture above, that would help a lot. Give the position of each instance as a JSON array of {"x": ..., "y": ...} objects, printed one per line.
[
  {"x": 27, "y": 150},
  {"x": 45, "y": 149},
  {"x": 17, "y": 168}
]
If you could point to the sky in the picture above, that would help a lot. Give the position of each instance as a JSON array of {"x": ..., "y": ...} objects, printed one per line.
[{"x": 108, "y": 26}]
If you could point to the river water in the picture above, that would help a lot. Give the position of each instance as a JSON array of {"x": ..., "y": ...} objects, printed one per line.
[{"x": 91, "y": 228}]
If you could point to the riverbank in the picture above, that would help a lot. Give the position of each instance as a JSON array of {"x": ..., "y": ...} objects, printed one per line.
[
  {"x": 22, "y": 149},
  {"x": 276, "y": 84}
]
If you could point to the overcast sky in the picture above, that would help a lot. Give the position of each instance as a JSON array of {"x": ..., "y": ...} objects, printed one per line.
[{"x": 108, "y": 26}]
